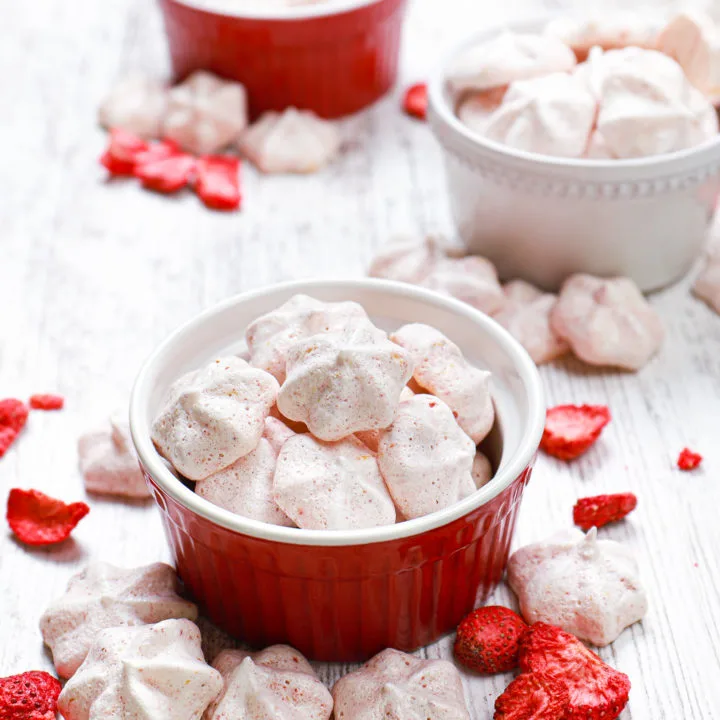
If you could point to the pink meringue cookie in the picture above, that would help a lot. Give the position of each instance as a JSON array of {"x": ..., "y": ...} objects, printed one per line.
[
  {"x": 104, "y": 596},
  {"x": 270, "y": 336},
  {"x": 331, "y": 486},
  {"x": 506, "y": 58},
  {"x": 136, "y": 104},
  {"x": 707, "y": 283},
  {"x": 277, "y": 683},
  {"x": 549, "y": 115},
  {"x": 214, "y": 416},
  {"x": 475, "y": 109},
  {"x": 607, "y": 322},
  {"x": 425, "y": 458},
  {"x": 482, "y": 471},
  {"x": 646, "y": 104},
  {"x": 588, "y": 587},
  {"x": 526, "y": 316},
  {"x": 407, "y": 260},
  {"x": 294, "y": 141},
  {"x": 472, "y": 279},
  {"x": 692, "y": 39},
  {"x": 246, "y": 487},
  {"x": 205, "y": 113},
  {"x": 343, "y": 382},
  {"x": 396, "y": 685},
  {"x": 108, "y": 462},
  {"x": 371, "y": 438},
  {"x": 442, "y": 370},
  {"x": 133, "y": 673}
]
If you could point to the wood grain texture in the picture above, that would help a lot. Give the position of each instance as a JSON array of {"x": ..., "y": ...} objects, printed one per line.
[{"x": 94, "y": 274}]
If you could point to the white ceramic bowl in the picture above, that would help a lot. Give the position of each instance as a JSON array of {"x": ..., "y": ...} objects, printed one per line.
[
  {"x": 345, "y": 595},
  {"x": 543, "y": 218}
]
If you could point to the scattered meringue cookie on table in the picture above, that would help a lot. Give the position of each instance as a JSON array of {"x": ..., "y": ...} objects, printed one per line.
[
  {"x": 294, "y": 141},
  {"x": 104, "y": 596},
  {"x": 588, "y": 587},
  {"x": 205, "y": 113},
  {"x": 551, "y": 115},
  {"x": 394, "y": 684},
  {"x": 136, "y": 104},
  {"x": 692, "y": 39},
  {"x": 154, "y": 671},
  {"x": 426, "y": 458},
  {"x": 508, "y": 57},
  {"x": 270, "y": 336},
  {"x": 246, "y": 487},
  {"x": 607, "y": 322},
  {"x": 404, "y": 259},
  {"x": 331, "y": 486},
  {"x": 277, "y": 683},
  {"x": 646, "y": 104},
  {"x": 472, "y": 279},
  {"x": 526, "y": 316},
  {"x": 213, "y": 416},
  {"x": 339, "y": 383},
  {"x": 108, "y": 462},
  {"x": 442, "y": 370}
]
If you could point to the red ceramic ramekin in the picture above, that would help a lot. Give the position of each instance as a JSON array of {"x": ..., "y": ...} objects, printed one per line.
[
  {"x": 345, "y": 595},
  {"x": 333, "y": 57}
]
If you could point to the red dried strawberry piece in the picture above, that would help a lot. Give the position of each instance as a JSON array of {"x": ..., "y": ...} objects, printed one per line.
[
  {"x": 596, "y": 690},
  {"x": 602, "y": 509},
  {"x": 218, "y": 182},
  {"x": 487, "y": 639},
  {"x": 13, "y": 414},
  {"x": 416, "y": 101},
  {"x": 122, "y": 152},
  {"x": 533, "y": 696},
  {"x": 38, "y": 519},
  {"x": 7, "y": 438},
  {"x": 157, "y": 151},
  {"x": 168, "y": 174},
  {"x": 29, "y": 696},
  {"x": 47, "y": 402},
  {"x": 688, "y": 460},
  {"x": 571, "y": 429}
]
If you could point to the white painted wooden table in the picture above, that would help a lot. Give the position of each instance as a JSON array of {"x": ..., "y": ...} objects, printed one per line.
[{"x": 93, "y": 275}]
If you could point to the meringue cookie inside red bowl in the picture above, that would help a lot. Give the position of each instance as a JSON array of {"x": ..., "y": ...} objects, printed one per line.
[
  {"x": 344, "y": 595},
  {"x": 333, "y": 57},
  {"x": 546, "y": 203}
]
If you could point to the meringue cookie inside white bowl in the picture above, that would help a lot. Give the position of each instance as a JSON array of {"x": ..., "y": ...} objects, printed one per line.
[
  {"x": 542, "y": 218},
  {"x": 315, "y": 589}
]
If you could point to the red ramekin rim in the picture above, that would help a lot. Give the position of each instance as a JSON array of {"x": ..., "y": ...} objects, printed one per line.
[
  {"x": 507, "y": 473},
  {"x": 323, "y": 8}
]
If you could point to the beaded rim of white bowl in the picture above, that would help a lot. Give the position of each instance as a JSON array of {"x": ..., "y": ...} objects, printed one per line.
[
  {"x": 441, "y": 113},
  {"x": 516, "y": 465},
  {"x": 255, "y": 10}
]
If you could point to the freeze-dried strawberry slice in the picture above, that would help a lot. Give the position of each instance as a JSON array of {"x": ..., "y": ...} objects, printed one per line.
[
  {"x": 218, "y": 182},
  {"x": 596, "y": 690},
  {"x": 47, "y": 402},
  {"x": 571, "y": 429},
  {"x": 688, "y": 460},
  {"x": 29, "y": 696},
  {"x": 416, "y": 101},
  {"x": 13, "y": 414},
  {"x": 168, "y": 174},
  {"x": 7, "y": 438},
  {"x": 38, "y": 519},
  {"x": 487, "y": 639},
  {"x": 158, "y": 150},
  {"x": 602, "y": 509},
  {"x": 121, "y": 154},
  {"x": 533, "y": 696}
]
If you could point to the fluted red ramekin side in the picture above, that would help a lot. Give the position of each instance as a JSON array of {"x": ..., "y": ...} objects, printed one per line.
[
  {"x": 343, "y": 603},
  {"x": 333, "y": 64}
]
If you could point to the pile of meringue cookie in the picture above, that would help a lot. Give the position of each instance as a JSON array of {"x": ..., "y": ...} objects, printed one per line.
[
  {"x": 128, "y": 646},
  {"x": 205, "y": 114},
  {"x": 604, "y": 322},
  {"x": 613, "y": 88},
  {"x": 331, "y": 423}
]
